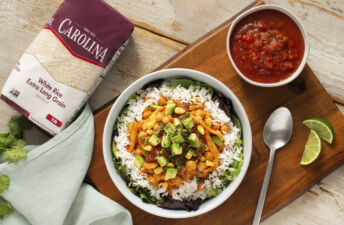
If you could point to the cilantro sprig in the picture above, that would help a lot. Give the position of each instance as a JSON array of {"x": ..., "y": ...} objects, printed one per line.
[
  {"x": 11, "y": 143},
  {"x": 12, "y": 149},
  {"x": 5, "y": 208}
]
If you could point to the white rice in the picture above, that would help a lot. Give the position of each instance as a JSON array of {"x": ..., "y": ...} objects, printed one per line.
[{"x": 188, "y": 190}]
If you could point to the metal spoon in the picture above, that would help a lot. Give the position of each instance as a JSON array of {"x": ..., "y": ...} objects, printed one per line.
[{"x": 277, "y": 132}]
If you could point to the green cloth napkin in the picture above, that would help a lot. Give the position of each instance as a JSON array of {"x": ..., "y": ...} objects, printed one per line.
[{"x": 46, "y": 187}]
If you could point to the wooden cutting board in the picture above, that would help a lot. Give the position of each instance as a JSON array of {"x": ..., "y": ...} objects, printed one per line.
[{"x": 289, "y": 179}]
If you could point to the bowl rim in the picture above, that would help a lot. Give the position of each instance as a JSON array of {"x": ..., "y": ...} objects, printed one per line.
[
  {"x": 297, "y": 21},
  {"x": 108, "y": 134}
]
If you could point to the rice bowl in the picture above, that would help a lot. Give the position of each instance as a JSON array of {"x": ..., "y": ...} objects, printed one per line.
[{"x": 136, "y": 159}]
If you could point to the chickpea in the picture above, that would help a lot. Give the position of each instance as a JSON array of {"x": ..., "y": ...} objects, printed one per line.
[
  {"x": 225, "y": 129},
  {"x": 156, "y": 127},
  {"x": 162, "y": 100},
  {"x": 209, "y": 156},
  {"x": 170, "y": 101},
  {"x": 147, "y": 114},
  {"x": 192, "y": 107},
  {"x": 200, "y": 105},
  {"x": 201, "y": 166},
  {"x": 191, "y": 165},
  {"x": 138, "y": 152},
  {"x": 216, "y": 126},
  {"x": 166, "y": 119},
  {"x": 171, "y": 119},
  {"x": 208, "y": 121},
  {"x": 150, "y": 178},
  {"x": 199, "y": 112},
  {"x": 159, "y": 117},
  {"x": 142, "y": 134}
]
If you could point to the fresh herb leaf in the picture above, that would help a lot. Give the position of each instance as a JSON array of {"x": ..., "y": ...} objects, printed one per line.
[
  {"x": 6, "y": 140},
  {"x": 19, "y": 143},
  {"x": 18, "y": 124},
  {"x": 237, "y": 167},
  {"x": 186, "y": 83},
  {"x": 207, "y": 86},
  {"x": 4, "y": 183},
  {"x": 180, "y": 161},
  {"x": 15, "y": 154},
  {"x": 133, "y": 96},
  {"x": 184, "y": 115},
  {"x": 5, "y": 208}
]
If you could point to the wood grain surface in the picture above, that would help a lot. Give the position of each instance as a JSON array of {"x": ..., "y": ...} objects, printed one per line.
[{"x": 289, "y": 179}]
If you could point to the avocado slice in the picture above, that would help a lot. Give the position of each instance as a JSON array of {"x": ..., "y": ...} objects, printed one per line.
[
  {"x": 171, "y": 173},
  {"x": 162, "y": 160},
  {"x": 176, "y": 149},
  {"x": 178, "y": 139},
  {"x": 217, "y": 140},
  {"x": 193, "y": 140},
  {"x": 154, "y": 140},
  {"x": 188, "y": 123},
  {"x": 166, "y": 141},
  {"x": 170, "y": 129},
  {"x": 138, "y": 161},
  {"x": 170, "y": 108}
]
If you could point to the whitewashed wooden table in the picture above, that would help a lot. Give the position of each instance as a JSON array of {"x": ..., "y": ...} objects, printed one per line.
[{"x": 164, "y": 27}]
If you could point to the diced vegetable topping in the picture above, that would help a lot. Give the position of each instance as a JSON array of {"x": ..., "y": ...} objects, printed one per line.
[
  {"x": 154, "y": 140},
  {"x": 188, "y": 123},
  {"x": 171, "y": 173},
  {"x": 162, "y": 160},
  {"x": 138, "y": 161},
  {"x": 193, "y": 140}
]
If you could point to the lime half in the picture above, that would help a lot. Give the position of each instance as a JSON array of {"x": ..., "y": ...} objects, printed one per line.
[
  {"x": 322, "y": 127},
  {"x": 312, "y": 149}
]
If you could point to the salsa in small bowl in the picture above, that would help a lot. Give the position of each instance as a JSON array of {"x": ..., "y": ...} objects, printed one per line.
[{"x": 267, "y": 46}]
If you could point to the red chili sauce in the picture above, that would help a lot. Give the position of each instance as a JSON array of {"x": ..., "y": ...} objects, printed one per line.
[{"x": 267, "y": 46}]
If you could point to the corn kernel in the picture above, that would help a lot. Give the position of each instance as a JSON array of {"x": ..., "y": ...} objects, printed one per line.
[
  {"x": 176, "y": 121},
  {"x": 147, "y": 148},
  {"x": 179, "y": 110},
  {"x": 202, "y": 158},
  {"x": 209, "y": 163},
  {"x": 171, "y": 165},
  {"x": 188, "y": 155},
  {"x": 164, "y": 185},
  {"x": 158, "y": 170},
  {"x": 200, "y": 129},
  {"x": 208, "y": 122},
  {"x": 149, "y": 132}
]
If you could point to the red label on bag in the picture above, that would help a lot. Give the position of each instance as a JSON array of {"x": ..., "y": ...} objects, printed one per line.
[{"x": 55, "y": 121}]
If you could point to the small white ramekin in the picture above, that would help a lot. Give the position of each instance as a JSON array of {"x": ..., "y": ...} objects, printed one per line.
[{"x": 300, "y": 26}]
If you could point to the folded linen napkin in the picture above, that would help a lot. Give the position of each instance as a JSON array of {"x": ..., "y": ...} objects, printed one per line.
[{"x": 46, "y": 187}]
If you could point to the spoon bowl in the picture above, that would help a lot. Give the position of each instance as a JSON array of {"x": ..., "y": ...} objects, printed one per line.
[
  {"x": 278, "y": 128},
  {"x": 276, "y": 134}
]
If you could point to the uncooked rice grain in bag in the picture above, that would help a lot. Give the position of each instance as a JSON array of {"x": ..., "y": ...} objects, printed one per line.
[{"x": 65, "y": 62}]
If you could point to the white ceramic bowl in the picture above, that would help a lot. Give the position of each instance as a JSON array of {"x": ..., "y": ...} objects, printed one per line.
[
  {"x": 122, "y": 100},
  {"x": 300, "y": 26}
]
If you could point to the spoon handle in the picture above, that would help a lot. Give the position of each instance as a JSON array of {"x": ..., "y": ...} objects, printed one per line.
[{"x": 262, "y": 196}]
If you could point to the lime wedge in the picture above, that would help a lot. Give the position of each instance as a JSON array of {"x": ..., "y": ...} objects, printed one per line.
[
  {"x": 322, "y": 127},
  {"x": 312, "y": 149}
]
